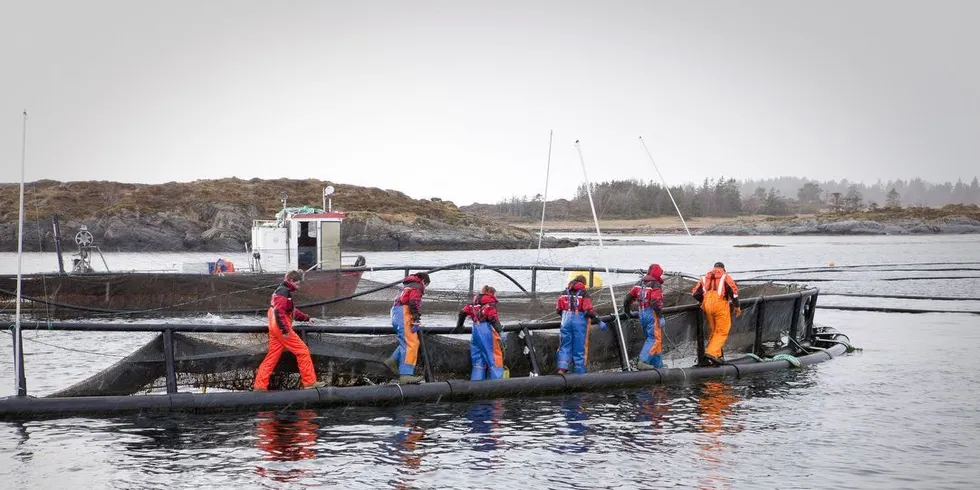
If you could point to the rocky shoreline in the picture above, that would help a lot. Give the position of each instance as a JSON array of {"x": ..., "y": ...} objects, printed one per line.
[
  {"x": 227, "y": 228},
  {"x": 815, "y": 226}
]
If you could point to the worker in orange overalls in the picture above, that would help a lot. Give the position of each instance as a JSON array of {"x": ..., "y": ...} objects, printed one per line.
[
  {"x": 649, "y": 298},
  {"x": 486, "y": 354},
  {"x": 282, "y": 312},
  {"x": 406, "y": 320},
  {"x": 718, "y": 295}
]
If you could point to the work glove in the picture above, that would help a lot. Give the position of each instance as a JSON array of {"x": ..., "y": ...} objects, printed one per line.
[
  {"x": 602, "y": 325},
  {"x": 663, "y": 322},
  {"x": 416, "y": 326},
  {"x": 310, "y": 321},
  {"x": 738, "y": 312}
]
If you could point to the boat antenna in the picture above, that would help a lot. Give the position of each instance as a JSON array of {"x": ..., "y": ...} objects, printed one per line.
[
  {"x": 623, "y": 354},
  {"x": 544, "y": 200},
  {"x": 20, "y": 381},
  {"x": 665, "y": 186}
]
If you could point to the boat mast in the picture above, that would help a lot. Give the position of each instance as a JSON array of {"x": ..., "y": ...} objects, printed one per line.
[
  {"x": 623, "y": 353},
  {"x": 20, "y": 381}
]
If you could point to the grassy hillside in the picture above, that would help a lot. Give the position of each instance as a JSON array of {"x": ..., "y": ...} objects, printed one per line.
[{"x": 84, "y": 200}]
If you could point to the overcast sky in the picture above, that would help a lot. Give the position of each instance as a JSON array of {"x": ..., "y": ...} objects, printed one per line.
[{"x": 456, "y": 99}]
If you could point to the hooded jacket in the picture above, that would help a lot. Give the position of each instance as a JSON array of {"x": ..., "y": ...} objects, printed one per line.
[
  {"x": 411, "y": 295},
  {"x": 482, "y": 309}
]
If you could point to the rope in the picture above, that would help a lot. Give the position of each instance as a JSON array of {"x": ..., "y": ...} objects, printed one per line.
[
  {"x": 35, "y": 340},
  {"x": 787, "y": 357}
]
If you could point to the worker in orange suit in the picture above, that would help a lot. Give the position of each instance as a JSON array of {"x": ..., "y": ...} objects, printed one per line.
[
  {"x": 282, "y": 312},
  {"x": 718, "y": 295},
  {"x": 406, "y": 320}
]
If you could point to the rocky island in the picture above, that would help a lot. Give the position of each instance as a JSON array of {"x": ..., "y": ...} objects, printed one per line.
[{"x": 216, "y": 216}]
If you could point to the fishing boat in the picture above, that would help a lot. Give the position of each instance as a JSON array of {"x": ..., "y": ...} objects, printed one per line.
[
  {"x": 195, "y": 367},
  {"x": 304, "y": 238}
]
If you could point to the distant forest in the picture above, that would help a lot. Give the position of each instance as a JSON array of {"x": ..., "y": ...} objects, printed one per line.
[{"x": 633, "y": 199}]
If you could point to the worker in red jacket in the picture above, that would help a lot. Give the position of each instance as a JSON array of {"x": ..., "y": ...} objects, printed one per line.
[
  {"x": 282, "y": 312},
  {"x": 577, "y": 315},
  {"x": 649, "y": 299},
  {"x": 406, "y": 319},
  {"x": 486, "y": 355}
]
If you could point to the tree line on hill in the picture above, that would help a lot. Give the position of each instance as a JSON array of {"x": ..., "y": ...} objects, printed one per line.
[{"x": 726, "y": 197}]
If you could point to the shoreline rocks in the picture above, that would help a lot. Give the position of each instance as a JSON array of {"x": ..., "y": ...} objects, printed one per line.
[
  {"x": 227, "y": 228},
  {"x": 811, "y": 226}
]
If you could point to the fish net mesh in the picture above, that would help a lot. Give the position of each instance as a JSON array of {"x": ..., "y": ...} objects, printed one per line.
[{"x": 213, "y": 361}]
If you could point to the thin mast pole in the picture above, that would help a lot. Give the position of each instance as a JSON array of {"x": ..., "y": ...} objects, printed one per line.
[
  {"x": 665, "y": 185},
  {"x": 623, "y": 354},
  {"x": 544, "y": 201},
  {"x": 20, "y": 383}
]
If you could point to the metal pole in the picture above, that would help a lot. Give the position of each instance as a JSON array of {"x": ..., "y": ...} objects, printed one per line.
[
  {"x": 760, "y": 320},
  {"x": 532, "y": 356},
  {"x": 168, "y": 357},
  {"x": 794, "y": 324},
  {"x": 544, "y": 200},
  {"x": 20, "y": 382},
  {"x": 623, "y": 353},
  {"x": 57, "y": 243},
  {"x": 427, "y": 363},
  {"x": 671, "y": 196},
  {"x": 472, "y": 279}
]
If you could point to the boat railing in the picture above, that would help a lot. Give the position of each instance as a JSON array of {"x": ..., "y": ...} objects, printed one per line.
[{"x": 800, "y": 330}]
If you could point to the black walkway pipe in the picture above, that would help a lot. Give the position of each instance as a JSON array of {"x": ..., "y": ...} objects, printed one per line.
[{"x": 390, "y": 394}]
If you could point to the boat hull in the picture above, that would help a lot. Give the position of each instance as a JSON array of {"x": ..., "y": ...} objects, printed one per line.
[{"x": 138, "y": 292}]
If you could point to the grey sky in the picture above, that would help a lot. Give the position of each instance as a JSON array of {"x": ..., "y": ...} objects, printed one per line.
[{"x": 456, "y": 99}]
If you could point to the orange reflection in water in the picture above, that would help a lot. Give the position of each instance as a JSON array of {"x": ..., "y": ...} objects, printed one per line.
[
  {"x": 286, "y": 436},
  {"x": 714, "y": 406}
]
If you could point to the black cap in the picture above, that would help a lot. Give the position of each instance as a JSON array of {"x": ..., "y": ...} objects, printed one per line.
[{"x": 719, "y": 264}]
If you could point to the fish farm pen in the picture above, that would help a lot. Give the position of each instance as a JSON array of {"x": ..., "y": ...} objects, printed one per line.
[{"x": 190, "y": 366}]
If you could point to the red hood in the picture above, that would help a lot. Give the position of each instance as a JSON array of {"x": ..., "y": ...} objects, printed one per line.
[
  {"x": 289, "y": 285},
  {"x": 413, "y": 281},
  {"x": 486, "y": 299},
  {"x": 576, "y": 285},
  {"x": 654, "y": 273}
]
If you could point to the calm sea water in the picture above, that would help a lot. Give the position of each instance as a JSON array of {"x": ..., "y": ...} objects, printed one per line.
[{"x": 903, "y": 413}]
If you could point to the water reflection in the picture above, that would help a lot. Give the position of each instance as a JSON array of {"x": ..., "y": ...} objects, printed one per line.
[
  {"x": 573, "y": 434},
  {"x": 408, "y": 449},
  {"x": 715, "y": 404},
  {"x": 652, "y": 405},
  {"x": 283, "y": 437},
  {"x": 484, "y": 421}
]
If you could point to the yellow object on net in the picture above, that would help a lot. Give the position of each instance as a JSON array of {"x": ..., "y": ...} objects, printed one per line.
[{"x": 596, "y": 278}]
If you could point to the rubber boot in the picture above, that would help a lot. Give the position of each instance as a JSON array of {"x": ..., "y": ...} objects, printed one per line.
[
  {"x": 392, "y": 365},
  {"x": 408, "y": 379},
  {"x": 642, "y": 366}
]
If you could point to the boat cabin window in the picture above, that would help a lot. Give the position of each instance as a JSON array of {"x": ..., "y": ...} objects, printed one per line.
[{"x": 306, "y": 244}]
